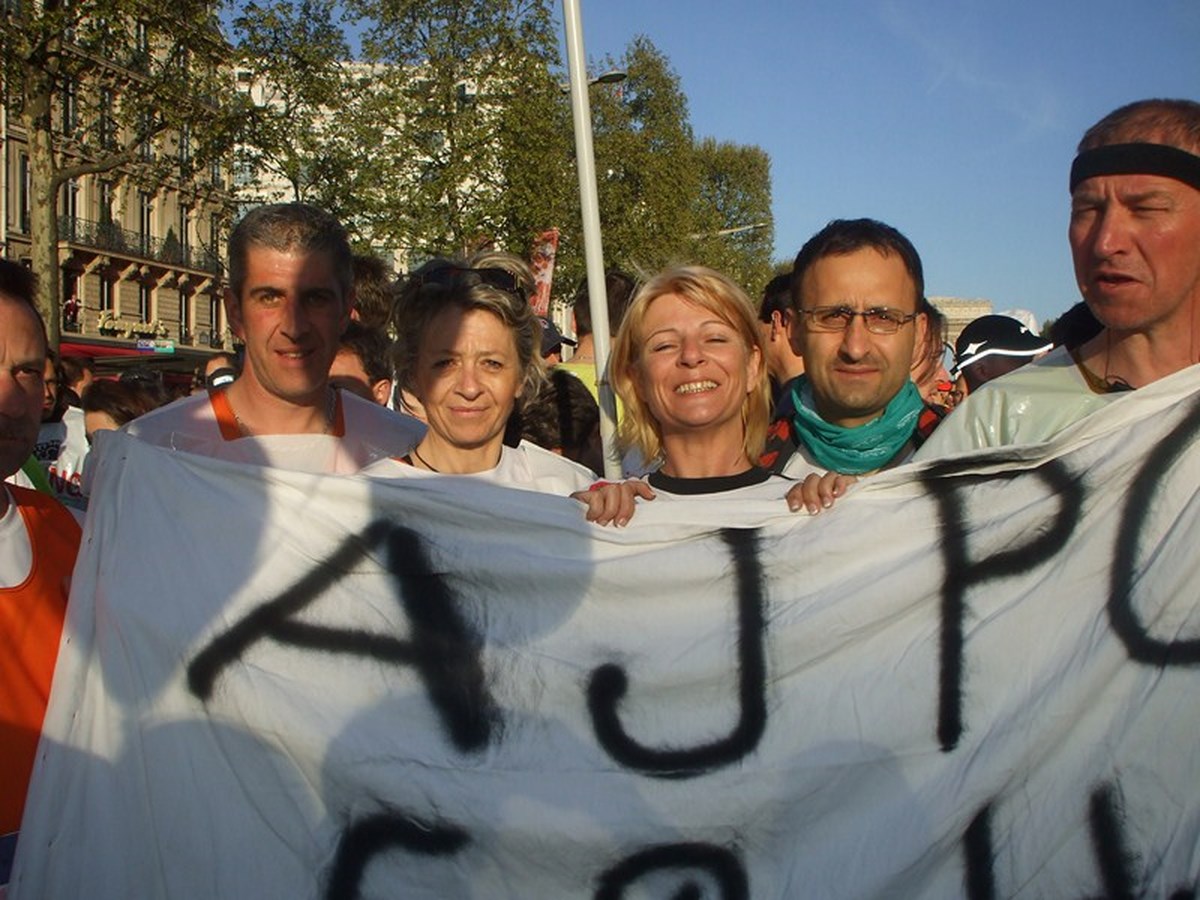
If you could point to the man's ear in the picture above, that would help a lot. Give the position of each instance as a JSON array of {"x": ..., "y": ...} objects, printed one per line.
[
  {"x": 351, "y": 308},
  {"x": 920, "y": 332},
  {"x": 781, "y": 325},
  {"x": 233, "y": 313},
  {"x": 795, "y": 327},
  {"x": 382, "y": 390}
]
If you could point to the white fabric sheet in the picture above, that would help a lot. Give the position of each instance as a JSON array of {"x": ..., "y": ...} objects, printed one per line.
[{"x": 978, "y": 681}]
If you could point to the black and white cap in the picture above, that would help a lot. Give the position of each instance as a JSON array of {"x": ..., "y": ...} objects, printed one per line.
[{"x": 995, "y": 336}]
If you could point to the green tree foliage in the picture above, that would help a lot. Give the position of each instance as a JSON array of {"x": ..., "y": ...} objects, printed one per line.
[
  {"x": 664, "y": 198},
  {"x": 646, "y": 170},
  {"x": 291, "y": 58},
  {"x": 460, "y": 120},
  {"x": 734, "y": 212},
  {"x": 111, "y": 86},
  {"x": 454, "y": 132}
]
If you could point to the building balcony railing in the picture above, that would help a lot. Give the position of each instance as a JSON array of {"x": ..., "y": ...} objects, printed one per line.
[{"x": 111, "y": 237}]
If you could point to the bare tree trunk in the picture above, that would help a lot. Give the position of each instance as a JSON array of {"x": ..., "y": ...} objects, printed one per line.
[{"x": 43, "y": 213}]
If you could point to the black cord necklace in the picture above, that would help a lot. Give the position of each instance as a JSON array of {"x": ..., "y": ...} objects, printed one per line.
[{"x": 424, "y": 461}]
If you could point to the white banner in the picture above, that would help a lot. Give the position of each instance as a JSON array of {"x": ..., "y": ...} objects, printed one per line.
[{"x": 977, "y": 678}]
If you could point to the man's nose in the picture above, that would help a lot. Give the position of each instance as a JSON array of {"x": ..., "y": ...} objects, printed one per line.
[
  {"x": 292, "y": 320},
  {"x": 856, "y": 339},
  {"x": 1110, "y": 233}
]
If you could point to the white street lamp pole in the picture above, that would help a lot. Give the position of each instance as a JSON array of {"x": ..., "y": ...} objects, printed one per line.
[{"x": 581, "y": 114}]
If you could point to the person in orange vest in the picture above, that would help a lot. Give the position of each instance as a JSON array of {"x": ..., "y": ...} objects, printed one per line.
[{"x": 39, "y": 540}]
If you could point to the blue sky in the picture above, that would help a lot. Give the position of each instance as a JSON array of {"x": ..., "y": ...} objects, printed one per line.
[{"x": 954, "y": 121}]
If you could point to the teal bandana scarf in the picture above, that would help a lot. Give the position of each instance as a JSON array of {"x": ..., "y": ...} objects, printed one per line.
[{"x": 854, "y": 451}]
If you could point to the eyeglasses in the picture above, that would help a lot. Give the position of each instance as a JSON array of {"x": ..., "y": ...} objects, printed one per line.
[
  {"x": 879, "y": 320},
  {"x": 459, "y": 276}
]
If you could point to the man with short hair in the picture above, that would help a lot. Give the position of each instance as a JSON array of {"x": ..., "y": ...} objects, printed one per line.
[
  {"x": 619, "y": 289},
  {"x": 374, "y": 292},
  {"x": 289, "y": 299},
  {"x": 775, "y": 330},
  {"x": 1135, "y": 241},
  {"x": 857, "y": 288},
  {"x": 78, "y": 372},
  {"x": 361, "y": 364},
  {"x": 56, "y": 464},
  {"x": 39, "y": 539}
]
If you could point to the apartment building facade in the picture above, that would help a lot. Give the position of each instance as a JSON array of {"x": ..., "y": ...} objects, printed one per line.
[{"x": 140, "y": 246}]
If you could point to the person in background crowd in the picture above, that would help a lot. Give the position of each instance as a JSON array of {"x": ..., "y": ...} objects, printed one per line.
[
  {"x": 148, "y": 380},
  {"x": 468, "y": 350},
  {"x": 78, "y": 372},
  {"x": 929, "y": 368},
  {"x": 564, "y": 418},
  {"x": 375, "y": 292},
  {"x": 857, "y": 289},
  {"x": 582, "y": 364},
  {"x": 552, "y": 342},
  {"x": 991, "y": 346},
  {"x": 361, "y": 365},
  {"x": 39, "y": 540},
  {"x": 54, "y": 401},
  {"x": 107, "y": 405},
  {"x": 289, "y": 299},
  {"x": 1135, "y": 242},
  {"x": 775, "y": 328},
  {"x": 221, "y": 370},
  {"x": 61, "y": 448},
  {"x": 1075, "y": 327}
]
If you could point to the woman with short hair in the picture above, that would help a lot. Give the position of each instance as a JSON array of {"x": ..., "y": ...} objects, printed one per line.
[{"x": 469, "y": 352}]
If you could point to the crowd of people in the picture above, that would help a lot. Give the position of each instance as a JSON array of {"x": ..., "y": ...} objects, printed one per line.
[{"x": 836, "y": 374}]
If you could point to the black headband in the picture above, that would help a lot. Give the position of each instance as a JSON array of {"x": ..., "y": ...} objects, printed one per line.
[{"x": 1136, "y": 159}]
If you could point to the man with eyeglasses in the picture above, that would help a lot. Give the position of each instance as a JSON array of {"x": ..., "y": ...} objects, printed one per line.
[
  {"x": 857, "y": 289},
  {"x": 1135, "y": 241},
  {"x": 290, "y": 295}
]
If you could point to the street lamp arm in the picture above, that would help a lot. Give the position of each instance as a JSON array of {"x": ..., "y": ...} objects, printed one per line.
[{"x": 726, "y": 231}]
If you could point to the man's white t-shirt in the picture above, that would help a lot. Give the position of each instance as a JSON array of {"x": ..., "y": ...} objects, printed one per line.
[{"x": 205, "y": 424}]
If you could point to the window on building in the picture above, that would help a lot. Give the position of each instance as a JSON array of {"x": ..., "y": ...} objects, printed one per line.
[
  {"x": 141, "y": 45},
  {"x": 185, "y": 148},
  {"x": 25, "y": 192},
  {"x": 104, "y": 196},
  {"x": 70, "y": 107},
  {"x": 145, "y": 220},
  {"x": 71, "y": 311},
  {"x": 70, "y": 210},
  {"x": 214, "y": 316},
  {"x": 106, "y": 294},
  {"x": 185, "y": 320},
  {"x": 145, "y": 301},
  {"x": 146, "y": 148},
  {"x": 185, "y": 216},
  {"x": 106, "y": 131}
]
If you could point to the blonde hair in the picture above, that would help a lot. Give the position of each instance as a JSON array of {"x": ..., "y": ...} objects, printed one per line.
[{"x": 717, "y": 294}]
